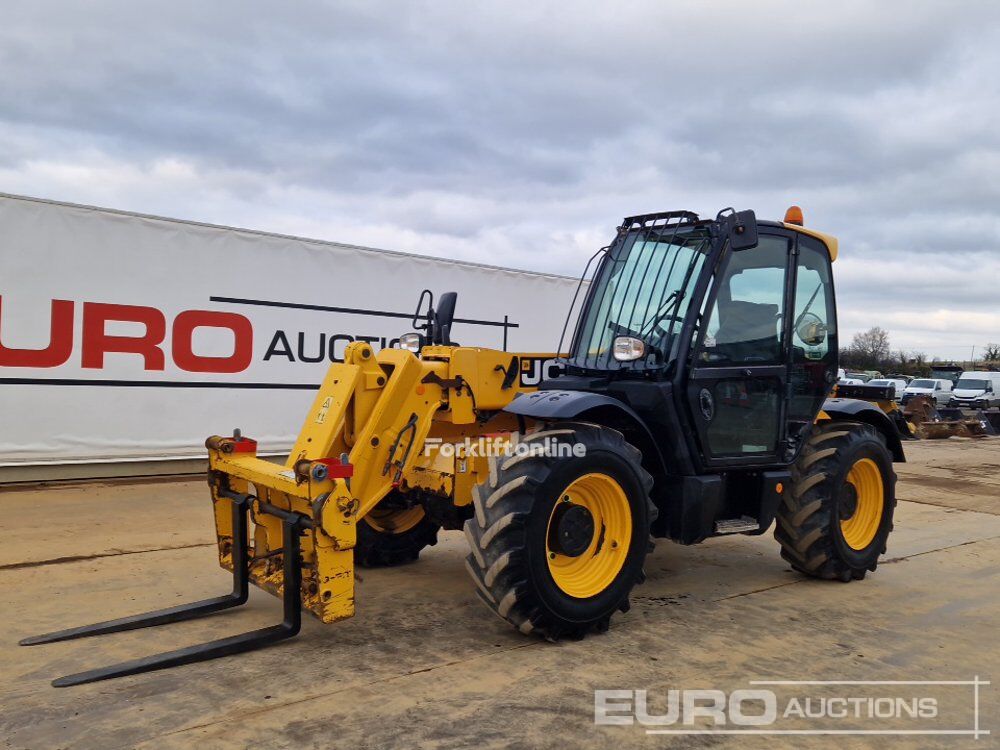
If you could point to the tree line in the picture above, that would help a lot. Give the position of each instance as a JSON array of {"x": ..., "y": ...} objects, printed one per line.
[{"x": 872, "y": 350}]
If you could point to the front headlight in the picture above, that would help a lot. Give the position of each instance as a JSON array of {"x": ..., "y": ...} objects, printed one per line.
[
  {"x": 628, "y": 348},
  {"x": 412, "y": 342}
]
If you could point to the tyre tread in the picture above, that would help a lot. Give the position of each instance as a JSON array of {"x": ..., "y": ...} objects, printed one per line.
[
  {"x": 805, "y": 518},
  {"x": 496, "y": 535}
]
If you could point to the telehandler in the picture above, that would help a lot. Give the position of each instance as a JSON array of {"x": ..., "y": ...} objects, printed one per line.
[{"x": 691, "y": 402}]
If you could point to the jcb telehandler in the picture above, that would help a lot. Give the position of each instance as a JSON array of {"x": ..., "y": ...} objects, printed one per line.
[{"x": 691, "y": 402}]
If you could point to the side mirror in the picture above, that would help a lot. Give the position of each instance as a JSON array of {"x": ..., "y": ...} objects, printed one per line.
[
  {"x": 427, "y": 316},
  {"x": 742, "y": 230},
  {"x": 443, "y": 318},
  {"x": 437, "y": 328},
  {"x": 811, "y": 329}
]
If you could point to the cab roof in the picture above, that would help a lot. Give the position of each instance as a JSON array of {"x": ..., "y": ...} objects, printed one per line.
[
  {"x": 827, "y": 239},
  {"x": 676, "y": 218}
]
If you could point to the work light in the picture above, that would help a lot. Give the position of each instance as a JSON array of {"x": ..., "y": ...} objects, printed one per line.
[
  {"x": 628, "y": 348},
  {"x": 411, "y": 342}
]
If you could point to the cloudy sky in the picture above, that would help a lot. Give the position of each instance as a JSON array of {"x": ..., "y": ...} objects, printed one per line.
[{"x": 520, "y": 133}]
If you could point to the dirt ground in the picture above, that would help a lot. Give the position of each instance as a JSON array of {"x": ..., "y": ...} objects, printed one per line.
[{"x": 424, "y": 664}]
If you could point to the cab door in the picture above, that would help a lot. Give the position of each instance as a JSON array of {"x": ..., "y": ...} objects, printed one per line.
[
  {"x": 812, "y": 366},
  {"x": 739, "y": 369}
]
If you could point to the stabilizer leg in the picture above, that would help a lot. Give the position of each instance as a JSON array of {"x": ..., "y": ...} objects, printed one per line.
[{"x": 292, "y": 526}]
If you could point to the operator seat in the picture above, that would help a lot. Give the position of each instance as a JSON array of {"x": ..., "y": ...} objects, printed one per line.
[{"x": 748, "y": 332}]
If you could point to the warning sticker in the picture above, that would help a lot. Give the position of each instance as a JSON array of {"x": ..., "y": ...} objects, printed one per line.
[{"x": 323, "y": 409}]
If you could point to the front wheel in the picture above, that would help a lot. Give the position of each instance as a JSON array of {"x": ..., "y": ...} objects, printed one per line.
[
  {"x": 835, "y": 521},
  {"x": 561, "y": 530},
  {"x": 393, "y": 533}
]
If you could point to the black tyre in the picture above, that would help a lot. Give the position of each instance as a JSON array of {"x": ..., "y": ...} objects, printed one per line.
[
  {"x": 835, "y": 520},
  {"x": 559, "y": 540},
  {"x": 393, "y": 534}
]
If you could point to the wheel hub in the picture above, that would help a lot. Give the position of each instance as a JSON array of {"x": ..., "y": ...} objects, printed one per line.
[
  {"x": 861, "y": 504},
  {"x": 588, "y": 535},
  {"x": 848, "y": 502},
  {"x": 571, "y": 530}
]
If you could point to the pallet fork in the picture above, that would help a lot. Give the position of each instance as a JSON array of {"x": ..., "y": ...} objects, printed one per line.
[{"x": 292, "y": 526}]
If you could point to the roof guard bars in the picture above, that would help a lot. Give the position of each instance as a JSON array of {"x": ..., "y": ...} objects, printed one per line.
[
  {"x": 663, "y": 220},
  {"x": 683, "y": 217}
]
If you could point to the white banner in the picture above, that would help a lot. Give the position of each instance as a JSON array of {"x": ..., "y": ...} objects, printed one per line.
[{"x": 134, "y": 337}]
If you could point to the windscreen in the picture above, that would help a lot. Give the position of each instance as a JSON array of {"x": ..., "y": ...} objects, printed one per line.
[
  {"x": 970, "y": 384},
  {"x": 922, "y": 384},
  {"x": 642, "y": 289}
]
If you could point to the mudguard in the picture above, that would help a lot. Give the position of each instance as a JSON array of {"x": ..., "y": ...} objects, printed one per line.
[
  {"x": 562, "y": 404},
  {"x": 592, "y": 407},
  {"x": 862, "y": 411}
]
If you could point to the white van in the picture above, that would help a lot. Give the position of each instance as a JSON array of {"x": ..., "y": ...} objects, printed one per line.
[
  {"x": 977, "y": 390},
  {"x": 938, "y": 389},
  {"x": 850, "y": 381},
  {"x": 898, "y": 385}
]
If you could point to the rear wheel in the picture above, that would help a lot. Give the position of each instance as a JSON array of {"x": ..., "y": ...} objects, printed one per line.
[
  {"x": 558, "y": 539},
  {"x": 393, "y": 534},
  {"x": 835, "y": 521}
]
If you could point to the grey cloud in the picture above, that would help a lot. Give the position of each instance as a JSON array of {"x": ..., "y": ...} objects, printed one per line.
[{"x": 520, "y": 134}]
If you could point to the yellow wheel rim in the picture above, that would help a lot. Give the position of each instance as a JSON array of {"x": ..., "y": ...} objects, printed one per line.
[
  {"x": 392, "y": 521},
  {"x": 596, "y": 568},
  {"x": 860, "y": 528}
]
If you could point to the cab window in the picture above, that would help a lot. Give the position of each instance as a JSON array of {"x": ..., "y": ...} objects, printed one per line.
[
  {"x": 814, "y": 332},
  {"x": 746, "y": 321}
]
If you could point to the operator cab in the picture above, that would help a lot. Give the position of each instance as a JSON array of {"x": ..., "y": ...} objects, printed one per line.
[{"x": 732, "y": 321}]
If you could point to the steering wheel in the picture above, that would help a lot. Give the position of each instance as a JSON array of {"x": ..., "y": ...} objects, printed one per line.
[
  {"x": 619, "y": 330},
  {"x": 664, "y": 330}
]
